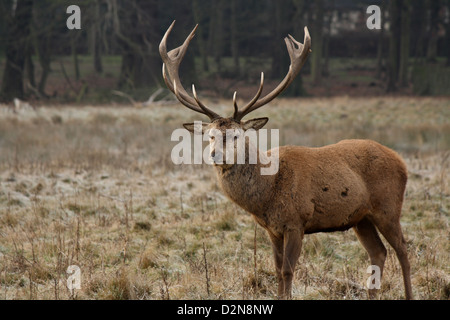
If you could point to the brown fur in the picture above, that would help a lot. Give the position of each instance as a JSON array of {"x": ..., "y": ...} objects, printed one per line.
[{"x": 355, "y": 184}]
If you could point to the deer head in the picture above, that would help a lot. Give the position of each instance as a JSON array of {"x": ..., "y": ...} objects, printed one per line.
[{"x": 231, "y": 129}]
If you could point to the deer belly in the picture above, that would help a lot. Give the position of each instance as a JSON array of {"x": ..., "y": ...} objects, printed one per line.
[{"x": 338, "y": 205}]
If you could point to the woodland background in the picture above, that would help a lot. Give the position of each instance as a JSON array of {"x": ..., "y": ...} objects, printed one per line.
[{"x": 114, "y": 57}]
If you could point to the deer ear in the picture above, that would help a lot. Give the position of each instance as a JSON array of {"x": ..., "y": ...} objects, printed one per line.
[
  {"x": 195, "y": 127},
  {"x": 255, "y": 124}
]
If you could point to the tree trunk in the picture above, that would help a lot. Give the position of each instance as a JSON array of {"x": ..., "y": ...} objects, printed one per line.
[
  {"x": 234, "y": 37},
  {"x": 45, "y": 65},
  {"x": 393, "y": 63},
  {"x": 447, "y": 35},
  {"x": 434, "y": 7},
  {"x": 326, "y": 46},
  {"x": 380, "y": 43},
  {"x": 317, "y": 44},
  {"x": 46, "y": 22},
  {"x": 16, "y": 44},
  {"x": 418, "y": 29},
  {"x": 276, "y": 68},
  {"x": 282, "y": 26},
  {"x": 198, "y": 15},
  {"x": 96, "y": 39},
  {"x": 380, "y": 54},
  {"x": 218, "y": 42},
  {"x": 405, "y": 42},
  {"x": 29, "y": 65},
  {"x": 76, "y": 65},
  {"x": 98, "y": 66},
  {"x": 43, "y": 49}
]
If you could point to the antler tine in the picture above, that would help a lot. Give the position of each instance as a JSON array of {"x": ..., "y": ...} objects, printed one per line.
[
  {"x": 236, "y": 109},
  {"x": 171, "y": 62},
  {"x": 298, "y": 58},
  {"x": 212, "y": 115},
  {"x": 251, "y": 103},
  {"x": 170, "y": 85}
]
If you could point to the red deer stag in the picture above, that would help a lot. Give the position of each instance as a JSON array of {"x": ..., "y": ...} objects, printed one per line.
[{"x": 355, "y": 184}]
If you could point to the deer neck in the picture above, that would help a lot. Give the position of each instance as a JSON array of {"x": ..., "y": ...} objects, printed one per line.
[{"x": 245, "y": 185}]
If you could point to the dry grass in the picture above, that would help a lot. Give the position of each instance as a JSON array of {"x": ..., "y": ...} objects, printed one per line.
[{"x": 95, "y": 187}]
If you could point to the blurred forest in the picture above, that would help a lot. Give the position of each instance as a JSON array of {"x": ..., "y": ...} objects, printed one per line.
[{"x": 114, "y": 56}]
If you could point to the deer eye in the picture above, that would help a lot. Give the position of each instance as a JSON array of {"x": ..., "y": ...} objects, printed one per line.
[{"x": 212, "y": 138}]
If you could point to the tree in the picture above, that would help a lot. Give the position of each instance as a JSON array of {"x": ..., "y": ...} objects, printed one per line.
[
  {"x": 393, "y": 60},
  {"x": 419, "y": 29},
  {"x": 137, "y": 32},
  {"x": 404, "y": 42},
  {"x": 95, "y": 35},
  {"x": 447, "y": 34},
  {"x": 17, "y": 40},
  {"x": 380, "y": 44},
  {"x": 234, "y": 37},
  {"x": 216, "y": 44},
  {"x": 317, "y": 43},
  {"x": 200, "y": 13},
  {"x": 433, "y": 6},
  {"x": 399, "y": 43},
  {"x": 48, "y": 31}
]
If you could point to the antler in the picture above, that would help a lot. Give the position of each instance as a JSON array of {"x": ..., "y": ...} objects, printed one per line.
[
  {"x": 298, "y": 56},
  {"x": 172, "y": 61}
]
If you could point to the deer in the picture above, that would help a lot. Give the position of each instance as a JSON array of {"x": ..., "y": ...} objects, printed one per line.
[{"x": 353, "y": 184}]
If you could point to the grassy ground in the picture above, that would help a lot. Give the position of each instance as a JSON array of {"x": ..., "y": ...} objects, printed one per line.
[{"x": 95, "y": 187}]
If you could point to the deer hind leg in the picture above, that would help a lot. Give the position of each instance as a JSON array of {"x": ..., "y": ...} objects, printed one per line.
[
  {"x": 369, "y": 238},
  {"x": 292, "y": 244},
  {"x": 392, "y": 232}
]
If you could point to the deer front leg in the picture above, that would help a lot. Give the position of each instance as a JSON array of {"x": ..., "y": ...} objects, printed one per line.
[
  {"x": 277, "y": 247},
  {"x": 292, "y": 246}
]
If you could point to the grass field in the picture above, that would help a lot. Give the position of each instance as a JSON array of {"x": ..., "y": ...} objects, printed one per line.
[{"x": 95, "y": 187}]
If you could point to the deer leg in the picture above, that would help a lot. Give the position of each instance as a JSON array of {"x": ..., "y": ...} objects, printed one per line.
[
  {"x": 392, "y": 231},
  {"x": 369, "y": 238},
  {"x": 291, "y": 251},
  {"x": 277, "y": 247}
]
